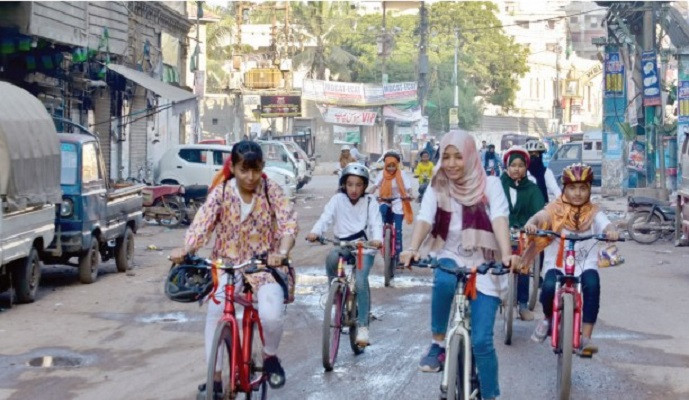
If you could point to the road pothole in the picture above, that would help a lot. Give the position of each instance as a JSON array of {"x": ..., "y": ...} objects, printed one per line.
[{"x": 55, "y": 362}]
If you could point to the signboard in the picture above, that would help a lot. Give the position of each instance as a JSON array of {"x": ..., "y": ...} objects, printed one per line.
[
  {"x": 358, "y": 94},
  {"x": 454, "y": 116},
  {"x": 280, "y": 106},
  {"x": 614, "y": 75},
  {"x": 637, "y": 156},
  {"x": 650, "y": 79},
  {"x": 683, "y": 100},
  {"x": 347, "y": 116},
  {"x": 346, "y": 134},
  {"x": 402, "y": 115}
]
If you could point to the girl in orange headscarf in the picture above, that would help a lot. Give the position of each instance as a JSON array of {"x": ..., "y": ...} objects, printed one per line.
[{"x": 396, "y": 187}]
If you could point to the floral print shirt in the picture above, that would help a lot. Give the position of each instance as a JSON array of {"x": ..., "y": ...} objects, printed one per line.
[{"x": 271, "y": 218}]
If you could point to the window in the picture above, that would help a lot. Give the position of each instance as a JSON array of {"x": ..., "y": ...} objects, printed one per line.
[
  {"x": 551, "y": 24},
  {"x": 214, "y": 121},
  {"x": 570, "y": 153},
  {"x": 89, "y": 163},
  {"x": 574, "y": 20},
  {"x": 593, "y": 22},
  {"x": 523, "y": 24},
  {"x": 68, "y": 174},
  {"x": 599, "y": 146},
  {"x": 193, "y": 155},
  {"x": 588, "y": 145},
  {"x": 219, "y": 157}
]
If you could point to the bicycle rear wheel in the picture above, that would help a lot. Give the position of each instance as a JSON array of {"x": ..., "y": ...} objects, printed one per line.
[
  {"x": 352, "y": 311},
  {"x": 221, "y": 361},
  {"x": 535, "y": 282},
  {"x": 332, "y": 323},
  {"x": 509, "y": 307},
  {"x": 387, "y": 256},
  {"x": 258, "y": 381},
  {"x": 564, "y": 357}
]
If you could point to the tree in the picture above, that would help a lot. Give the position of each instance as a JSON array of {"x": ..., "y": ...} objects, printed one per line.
[
  {"x": 326, "y": 22},
  {"x": 219, "y": 48}
]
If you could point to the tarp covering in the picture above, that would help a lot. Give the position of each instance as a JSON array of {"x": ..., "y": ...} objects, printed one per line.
[
  {"x": 29, "y": 150},
  {"x": 181, "y": 99}
]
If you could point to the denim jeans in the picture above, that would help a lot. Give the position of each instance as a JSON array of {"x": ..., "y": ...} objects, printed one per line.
[
  {"x": 483, "y": 310},
  {"x": 522, "y": 289},
  {"x": 363, "y": 292},
  {"x": 590, "y": 288},
  {"x": 390, "y": 217}
]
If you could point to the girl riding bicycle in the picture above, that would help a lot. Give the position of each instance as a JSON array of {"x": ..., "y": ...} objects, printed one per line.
[
  {"x": 572, "y": 212},
  {"x": 250, "y": 215},
  {"x": 466, "y": 214},
  {"x": 394, "y": 184},
  {"x": 356, "y": 217},
  {"x": 539, "y": 173},
  {"x": 424, "y": 171},
  {"x": 525, "y": 200}
]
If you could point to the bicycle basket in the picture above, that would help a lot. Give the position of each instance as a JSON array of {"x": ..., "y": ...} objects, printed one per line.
[{"x": 188, "y": 283}]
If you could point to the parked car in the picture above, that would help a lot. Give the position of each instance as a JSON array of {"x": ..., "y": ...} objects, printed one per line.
[
  {"x": 96, "y": 220},
  {"x": 276, "y": 154},
  {"x": 29, "y": 190},
  {"x": 196, "y": 164},
  {"x": 588, "y": 151}
]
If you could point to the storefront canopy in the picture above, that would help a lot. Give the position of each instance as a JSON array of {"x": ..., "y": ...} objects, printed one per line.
[{"x": 181, "y": 99}]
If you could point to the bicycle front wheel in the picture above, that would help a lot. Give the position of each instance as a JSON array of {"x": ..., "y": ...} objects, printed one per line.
[
  {"x": 352, "y": 311},
  {"x": 509, "y": 307},
  {"x": 535, "y": 282},
  {"x": 332, "y": 323},
  {"x": 220, "y": 362},
  {"x": 564, "y": 357},
  {"x": 387, "y": 257},
  {"x": 259, "y": 382}
]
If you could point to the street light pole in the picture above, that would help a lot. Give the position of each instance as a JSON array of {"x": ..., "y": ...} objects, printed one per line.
[
  {"x": 454, "y": 75},
  {"x": 384, "y": 34}
]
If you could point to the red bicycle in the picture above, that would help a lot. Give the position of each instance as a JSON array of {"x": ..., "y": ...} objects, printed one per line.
[
  {"x": 389, "y": 239},
  {"x": 237, "y": 362},
  {"x": 567, "y": 310}
]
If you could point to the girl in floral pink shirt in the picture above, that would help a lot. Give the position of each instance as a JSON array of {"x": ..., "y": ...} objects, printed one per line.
[{"x": 250, "y": 216}]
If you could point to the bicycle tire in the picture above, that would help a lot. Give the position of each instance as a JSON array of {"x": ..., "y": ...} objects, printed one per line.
[
  {"x": 221, "y": 352},
  {"x": 352, "y": 311},
  {"x": 332, "y": 324},
  {"x": 454, "y": 369},
  {"x": 387, "y": 257},
  {"x": 256, "y": 367},
  {"x": 510, "y": 300},
  {"x": 535, "y": 281},
  {"x": 564, "y": 356}
]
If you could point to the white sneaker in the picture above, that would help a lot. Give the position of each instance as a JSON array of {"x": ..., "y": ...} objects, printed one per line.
[{"x": 362, "y": 336}]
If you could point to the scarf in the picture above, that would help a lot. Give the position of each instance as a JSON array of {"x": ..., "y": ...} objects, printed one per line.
[
  {"x": 529, "y": 200},
  {"x": 468, "y": 190},
  {"x": 560, "y": 215},
  {"x": 537, "y": 170},
  {"x": 386, "y": 187}
]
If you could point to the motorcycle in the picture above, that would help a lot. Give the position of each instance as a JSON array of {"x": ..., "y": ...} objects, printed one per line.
[
  {"x": 650, "y": 219},
  {"x": 171, "y": 205}
]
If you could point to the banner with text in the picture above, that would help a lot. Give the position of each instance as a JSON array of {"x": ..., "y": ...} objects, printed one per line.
[
  {"x": 358, "y": 94},
  {"x": 347, "y": 116}
]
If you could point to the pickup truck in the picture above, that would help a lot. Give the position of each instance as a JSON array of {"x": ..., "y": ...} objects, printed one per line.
[
  {"x": 96, "y": 221},
  {"x": 29, "y": 190},
  {"x": 588, "y": 151}
]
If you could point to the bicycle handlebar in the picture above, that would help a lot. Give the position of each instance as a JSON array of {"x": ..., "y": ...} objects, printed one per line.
[
  {"x": 577, "y": 238},
  {"x": 351, "y": 244},
  {"x": 391, "y": 199},
  {"x": 259, "y": 262},
  {"x": 497, "y": 267}
]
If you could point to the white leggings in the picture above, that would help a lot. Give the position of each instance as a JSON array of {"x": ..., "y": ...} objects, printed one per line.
[{"x": 271, "y": 311}]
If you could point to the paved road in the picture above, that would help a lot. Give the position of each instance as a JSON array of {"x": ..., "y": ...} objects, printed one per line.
[{"x": 120, "y": 338}]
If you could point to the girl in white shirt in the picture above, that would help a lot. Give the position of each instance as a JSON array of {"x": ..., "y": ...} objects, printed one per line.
[
  {"x": 540, "y": 174},
  {"x": 356, "y": 217},
  {"x": 466, "y": 214}
]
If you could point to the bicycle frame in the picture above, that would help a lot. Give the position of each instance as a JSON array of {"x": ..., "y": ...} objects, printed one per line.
[
  {"x": 567, "y": 283},
  {"x": 393, "y": 238},
  {"x": 240, "y": 364}
]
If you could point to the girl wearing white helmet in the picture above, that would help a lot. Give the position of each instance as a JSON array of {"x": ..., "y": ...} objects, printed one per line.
[
  {"x": 353, "y": 215},
  {"x": 539, "y": 173}
]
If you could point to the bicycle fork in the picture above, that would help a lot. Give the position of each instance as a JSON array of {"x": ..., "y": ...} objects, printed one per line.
[
  {"x": 557, "y": 315},
  {"x": 458, "y": 331}
]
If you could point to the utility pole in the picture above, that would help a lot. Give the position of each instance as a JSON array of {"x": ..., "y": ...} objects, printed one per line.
[
  {"x": 454, "y": 75},
  {"x": 423, "y": 57},
  {"x": 649, "y": 111},
  {"x": 197, "y": 73},
  {"x": 384, "y": 41},
  {"x": 557, "y": 114}
]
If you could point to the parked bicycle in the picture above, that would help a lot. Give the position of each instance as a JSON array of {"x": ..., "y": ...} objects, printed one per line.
[
  {"x": 567, "y": 310},
  {"x": 389, "y": 239},
  {"x": 460, "y": 378},
  {"x": 341, "y": 309},
  {"x": 236, "y": 361}
]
